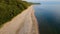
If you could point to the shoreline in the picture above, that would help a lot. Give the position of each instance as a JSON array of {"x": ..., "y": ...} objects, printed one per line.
[{"x": 21, "y": 21}]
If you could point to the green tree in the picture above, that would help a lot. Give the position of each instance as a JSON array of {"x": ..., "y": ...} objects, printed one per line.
[{"x": 11, "y": 8}]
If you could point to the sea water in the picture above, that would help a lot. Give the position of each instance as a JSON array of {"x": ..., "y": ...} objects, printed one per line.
[{"x": 48, "y": 17}]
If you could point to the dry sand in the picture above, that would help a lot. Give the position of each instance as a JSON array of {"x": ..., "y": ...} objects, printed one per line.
[{"x": 24, "y": 23}]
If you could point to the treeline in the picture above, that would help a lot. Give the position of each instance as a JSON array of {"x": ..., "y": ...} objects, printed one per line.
[
  {"x": 11, "y": 8},
  {"x": 33, "y": 3}
]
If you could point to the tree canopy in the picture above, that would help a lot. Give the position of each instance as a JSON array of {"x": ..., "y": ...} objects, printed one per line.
[{"x": 11, "y": 8}]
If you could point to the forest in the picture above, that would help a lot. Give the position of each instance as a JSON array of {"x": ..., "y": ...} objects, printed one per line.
[{"x": 11, "y": 8}]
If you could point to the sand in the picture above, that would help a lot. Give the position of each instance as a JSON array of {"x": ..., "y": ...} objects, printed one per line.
[{"x": 24, "y": 23}]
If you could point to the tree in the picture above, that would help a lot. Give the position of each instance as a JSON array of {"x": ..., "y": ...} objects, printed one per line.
[{"x": 11, "y": 8}]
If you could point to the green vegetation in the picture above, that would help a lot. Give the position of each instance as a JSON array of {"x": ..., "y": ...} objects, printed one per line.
[
  {"x": 10, "y": 9},
  {"x": 34, "y": 3}
]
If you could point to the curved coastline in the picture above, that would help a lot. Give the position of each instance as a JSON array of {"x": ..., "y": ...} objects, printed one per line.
[{"x": 20, "y": 22}]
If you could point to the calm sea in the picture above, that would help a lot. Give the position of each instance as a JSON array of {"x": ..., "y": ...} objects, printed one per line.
[{"x": 48, "y": 17}]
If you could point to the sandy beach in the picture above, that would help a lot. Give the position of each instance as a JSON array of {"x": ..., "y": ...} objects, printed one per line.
[{"x": 21, "y": 24}]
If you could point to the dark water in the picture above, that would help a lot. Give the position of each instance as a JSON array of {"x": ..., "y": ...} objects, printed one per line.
[{"x": 48, "y": 16}]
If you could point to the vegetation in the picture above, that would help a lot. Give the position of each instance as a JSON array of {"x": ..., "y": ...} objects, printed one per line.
[
  {"x": 11, "y": 8},
  {"x": 34, "y": 3}
]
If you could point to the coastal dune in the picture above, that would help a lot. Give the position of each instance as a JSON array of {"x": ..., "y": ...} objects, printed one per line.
[{"x": 23, "y": 23}]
